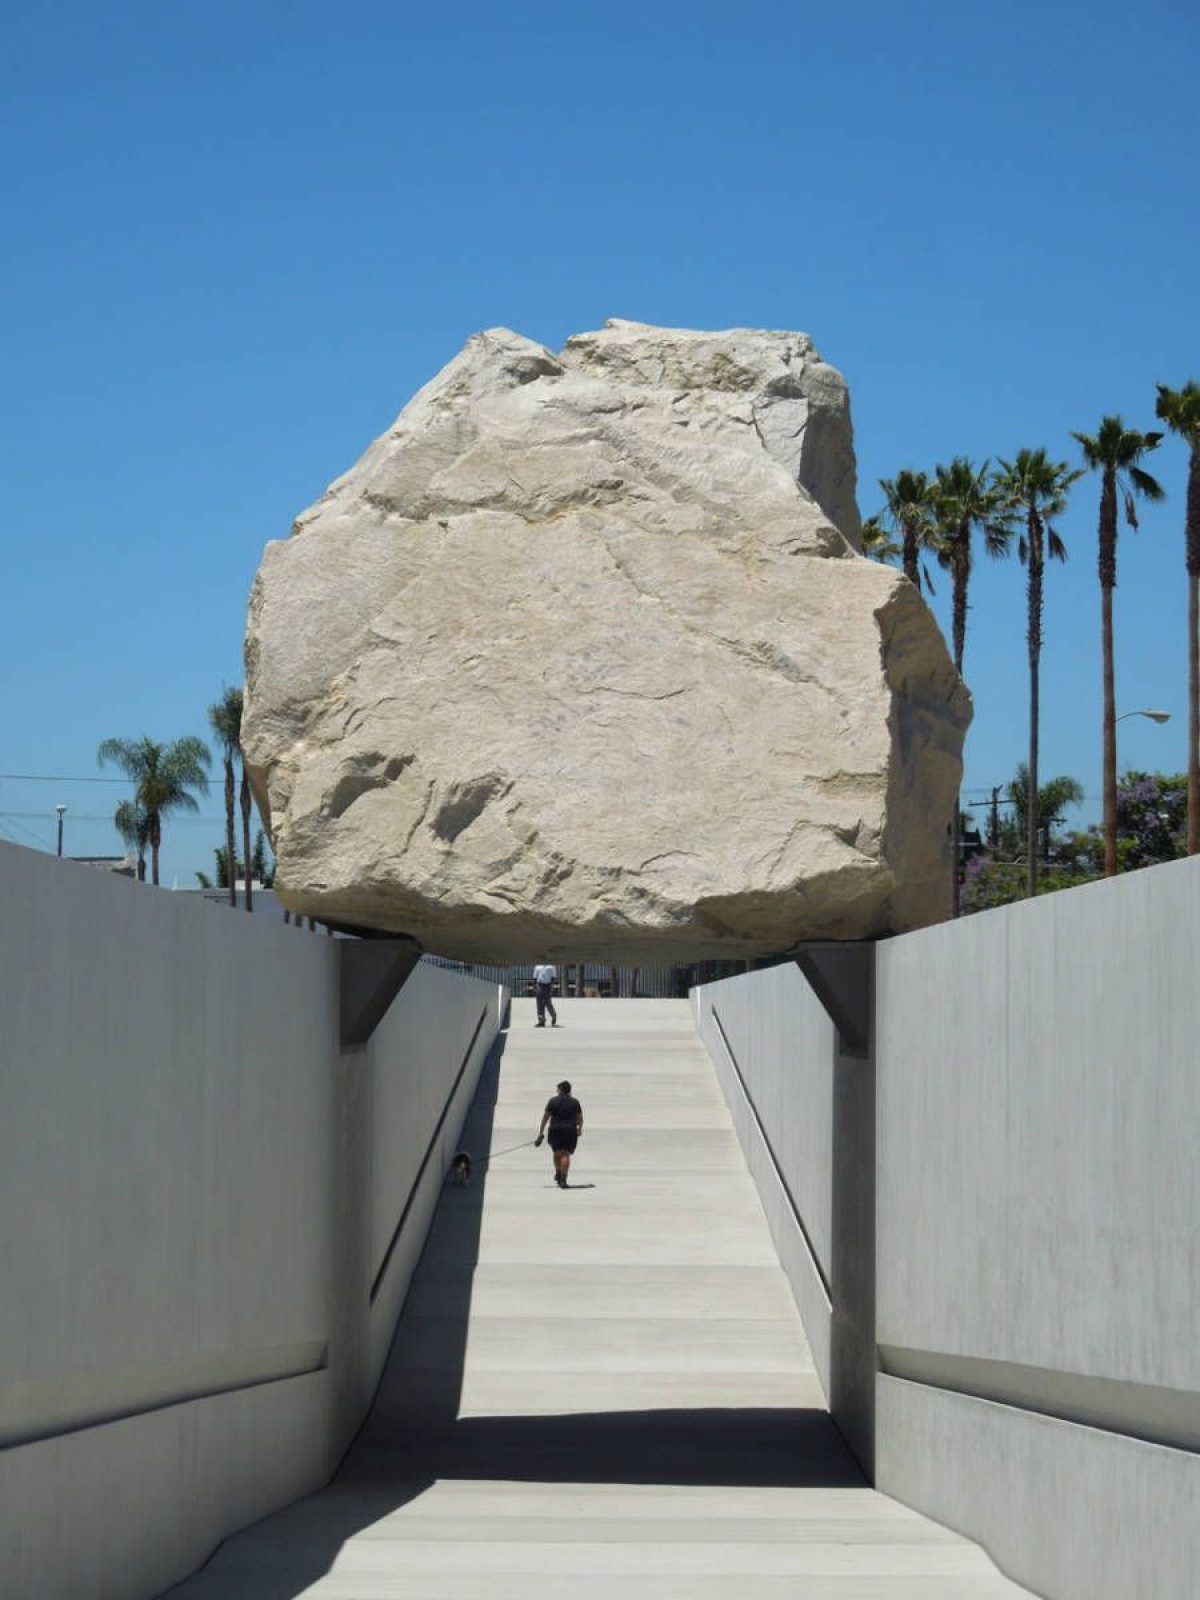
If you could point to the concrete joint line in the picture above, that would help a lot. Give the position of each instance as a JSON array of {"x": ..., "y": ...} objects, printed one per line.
[
  {"x": 1140, "y": 1411},
  {"x": 425, "y": 1159},
  {"x": 775, "y": 1167},
  {"x": 60, "y": 1412}
]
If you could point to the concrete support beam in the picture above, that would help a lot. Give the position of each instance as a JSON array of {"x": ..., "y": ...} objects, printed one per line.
[
  {"x": 839, "y": 974},
  {"x": 372, "y": 974}
]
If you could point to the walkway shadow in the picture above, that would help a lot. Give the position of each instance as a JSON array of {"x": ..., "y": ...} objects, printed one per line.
[{"x": 752, "y": 1448}]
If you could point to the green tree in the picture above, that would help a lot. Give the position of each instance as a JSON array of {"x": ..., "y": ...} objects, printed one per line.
[
  {"x": 909, "y": 512},
  {"x": 1033, "y": 491},
  {"x": 221, "y": 877},
  {"x": 1114, "y": 451},
  {"x": 132, "y": 823},
  {"x": 1180, "y": 410},
  {"x": 1152, "y": 818},
  {"x": 163, "y": 776},
  {"x": 262, "y": 867},
  {"x": 998, "y": 876},
  {"x": 225, "y": 719},
  {"x": 1052, "y": 798}
]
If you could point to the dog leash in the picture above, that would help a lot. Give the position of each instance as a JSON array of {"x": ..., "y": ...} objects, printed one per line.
[{"x": 496, "y": 1154}]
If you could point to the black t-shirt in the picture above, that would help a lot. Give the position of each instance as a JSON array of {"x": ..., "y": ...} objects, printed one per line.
[{"x": 563, "y": 1110}]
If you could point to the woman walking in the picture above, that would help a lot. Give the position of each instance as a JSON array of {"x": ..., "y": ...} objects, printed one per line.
[{"x": 564, "y": 1115}]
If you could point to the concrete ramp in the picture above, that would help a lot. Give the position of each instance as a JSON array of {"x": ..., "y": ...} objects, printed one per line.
[{"x": 603, "y": 1392}]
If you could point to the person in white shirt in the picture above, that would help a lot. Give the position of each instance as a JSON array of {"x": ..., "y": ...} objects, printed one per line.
[{"x": 544, "y": 978}]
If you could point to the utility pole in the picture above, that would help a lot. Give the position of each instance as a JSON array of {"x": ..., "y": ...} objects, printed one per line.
[
  {"x": 994, "y": 823},
  {"x": 60, "y": 810}
]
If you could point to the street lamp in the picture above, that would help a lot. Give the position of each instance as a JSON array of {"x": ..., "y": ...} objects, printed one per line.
[
  {"x": 60, "y": 810},
  {"x": 1110, "y": 791}
]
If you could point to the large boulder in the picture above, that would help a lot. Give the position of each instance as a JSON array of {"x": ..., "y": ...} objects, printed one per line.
[{"x": 580, "y": 660}]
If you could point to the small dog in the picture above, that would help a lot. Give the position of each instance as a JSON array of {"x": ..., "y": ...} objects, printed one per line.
[{"x": 460, "y": 1169}]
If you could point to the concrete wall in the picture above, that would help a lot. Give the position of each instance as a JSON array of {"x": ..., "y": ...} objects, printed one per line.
[
  {"x": 198, "y": 1188},
  {"x": 1038, "y": 1271},
  {"x": 803, "y": 1106},
  {"x": 1036, "y": 1265},
  {"x": 774, "y": 1049}
]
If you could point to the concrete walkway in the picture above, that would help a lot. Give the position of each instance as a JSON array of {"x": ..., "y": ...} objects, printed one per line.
[{"x": 602, "y": 1394}]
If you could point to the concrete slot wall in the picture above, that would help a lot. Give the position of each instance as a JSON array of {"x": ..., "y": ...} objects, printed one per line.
[
  {"x": 1036, "y": 1266},
  {"x": 774, "y": 1050},
  {"x": 804, "y": 1110},
  {"x": 197, "y": 1190}
]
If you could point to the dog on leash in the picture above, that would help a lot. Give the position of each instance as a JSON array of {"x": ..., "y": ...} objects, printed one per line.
[{"x": 460, "y": 1169}]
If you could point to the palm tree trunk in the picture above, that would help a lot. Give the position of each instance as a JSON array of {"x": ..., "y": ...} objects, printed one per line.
[
  {"x": 1193, "y": 567},
  {"x": 1110, "y": 736},
  {"x": 1034, "y": 592},
  {"x": 230, "y": 837},
  {"x": 1108, "y": 582},
  {"x": 909, "y": 556},
  {"x": 962, "y": 577},
  {"x": 155, "y": 842},
  {"x": 245, "y": 798}
]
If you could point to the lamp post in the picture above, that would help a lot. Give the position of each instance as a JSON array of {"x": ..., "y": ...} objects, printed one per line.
[
  {"x": 60, "y": 810},
  {"x": 1110, "y": 800}
]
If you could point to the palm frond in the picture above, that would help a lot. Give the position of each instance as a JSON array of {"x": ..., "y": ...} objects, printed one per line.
[
  {"x": 1055, "y": 548},
  {"x": 997, "y": 539},
  {"x": 1180, "y": 410},
  {"x": 1146, "y": 486},
  {"x": 225, "y": 719}
]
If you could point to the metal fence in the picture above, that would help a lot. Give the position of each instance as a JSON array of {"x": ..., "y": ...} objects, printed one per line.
[{"x": 591, "y": 980}]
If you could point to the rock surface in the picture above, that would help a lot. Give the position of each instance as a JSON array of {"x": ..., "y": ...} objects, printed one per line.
[{"x": 579, "y": 660}]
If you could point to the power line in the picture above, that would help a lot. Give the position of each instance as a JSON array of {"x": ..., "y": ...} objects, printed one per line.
[
  {"x": 97, "y": 816},
  {"x": 42, "y": 843},
  {"x": 54, "y": 777}
]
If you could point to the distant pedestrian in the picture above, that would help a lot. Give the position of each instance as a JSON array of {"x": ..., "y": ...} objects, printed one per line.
[
  {"x": 544, "y": 979},
  {"x": 564, "y": 1115}
]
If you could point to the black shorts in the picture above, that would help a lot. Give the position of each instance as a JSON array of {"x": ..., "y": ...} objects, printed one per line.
[{"x": 563, "y": 1139}]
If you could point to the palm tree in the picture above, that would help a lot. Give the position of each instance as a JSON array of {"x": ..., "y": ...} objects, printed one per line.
[
  {"x": 1034, "y": 489},
  {"x": 225, "y": 719},
  {"x": 1180, "y": 410},
  {"x": 1114, "y": 452},
  {"x": 909, "y": 511},
  {"x": 877, "y": 542},
  {"x": 163, "y": 776},
  {"x": 964, "y": 497},
  {"x": 1051, "y": 798},
  {"x": 133, "y": 825},
  {"x": 245, "y": 804}
]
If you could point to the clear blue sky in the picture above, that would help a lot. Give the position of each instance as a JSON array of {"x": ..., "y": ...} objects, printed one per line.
[{"x": 240, "y": 236}]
